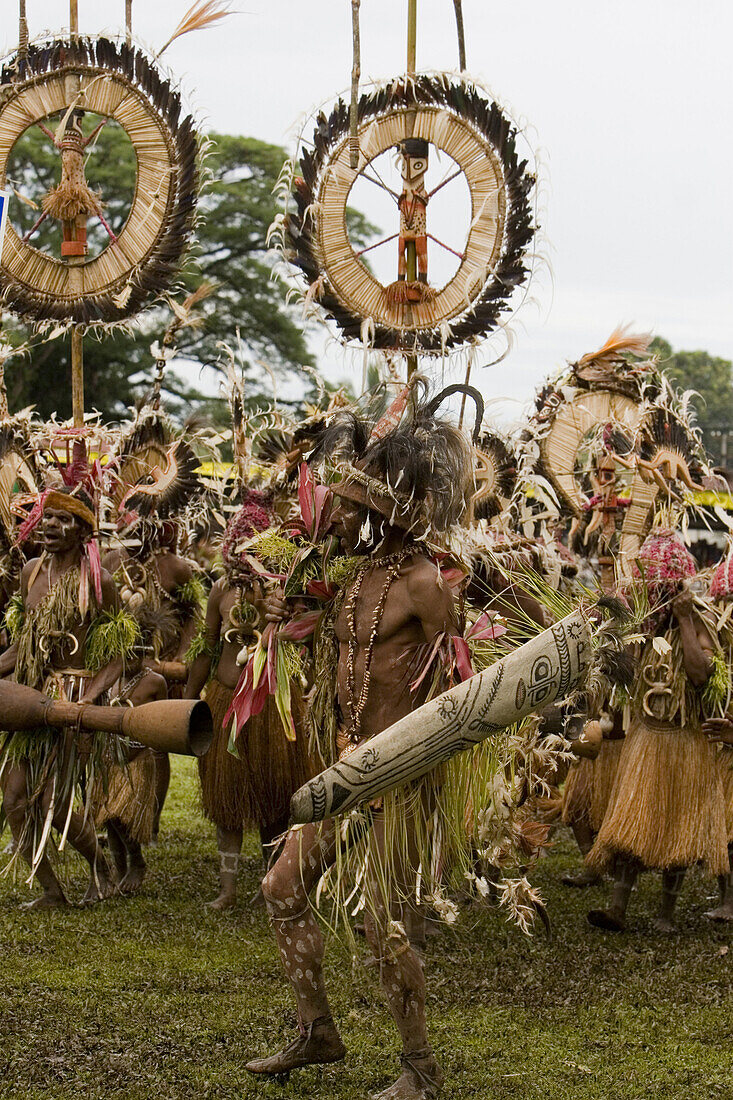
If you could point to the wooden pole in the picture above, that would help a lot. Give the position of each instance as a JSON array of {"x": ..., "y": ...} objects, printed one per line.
[
  {"x": 128, "y": 22},
  {"x": 457, "y": 4},
  {"x": 355, "y": 77},
  {"x": 411, "y": 251},
  {"x": 77, "y": 335},
  {"x": 411, "y": 35},
  {"x": 22, "y": 31},
  {"x": 77, "y": 376}
]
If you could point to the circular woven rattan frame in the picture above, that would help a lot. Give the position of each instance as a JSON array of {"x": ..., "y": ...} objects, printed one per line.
[
  {"x": 559, "y": 447},
  {"x": 119, "y": 82},
  {"x": 457, "y": 119}
]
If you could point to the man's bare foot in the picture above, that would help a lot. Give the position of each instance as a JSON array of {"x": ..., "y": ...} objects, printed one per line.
[
  {"x": 319, "y": 1044},
  {"x": 133, "y": 880},
  {"x": 663, "y": 925},
  {"x": 421, "y": 1079},
  {"x": 723, "y": 912},
  {"x": 101, "y": 886},
  {"x": 581, "y": 879},
  {"x": 46, "y": 901},
  {"x": 224, "y": 901},
  {"x": 610, "y": 920}
]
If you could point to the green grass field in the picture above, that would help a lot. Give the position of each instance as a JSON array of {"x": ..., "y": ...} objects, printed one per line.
[{"x": 158, "y": 998}]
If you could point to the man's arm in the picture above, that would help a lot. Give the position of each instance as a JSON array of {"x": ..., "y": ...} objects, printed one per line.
[
  {"x": 9, "y": 657},
  {"x": 201, "y": 667},
  {"x": 182, "y": 573},
  {"x": 431, "y": 601},
  {"x": 697, "y": 646}
]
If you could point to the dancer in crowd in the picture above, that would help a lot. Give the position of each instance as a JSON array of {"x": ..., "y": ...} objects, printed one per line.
[
  {"x": 720, "y": 728},
  {"x": 65, "y": 597},
  {"x": 251, "y": 786},
  {"x": 125, "y": 798},
  {"x": 666, "y": 811},
  {"x": 405, "y": 479},
  {"x": 156, "y": 481}
]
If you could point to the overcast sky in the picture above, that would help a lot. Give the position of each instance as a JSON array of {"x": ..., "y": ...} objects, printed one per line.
[{"x": 630, "y": 104}]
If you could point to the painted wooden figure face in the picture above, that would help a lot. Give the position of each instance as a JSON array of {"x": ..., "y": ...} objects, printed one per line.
[{"x": 415, "y": 153}]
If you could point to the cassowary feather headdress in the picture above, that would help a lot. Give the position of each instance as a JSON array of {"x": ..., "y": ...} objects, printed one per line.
[{"x": 410, "y": 466}]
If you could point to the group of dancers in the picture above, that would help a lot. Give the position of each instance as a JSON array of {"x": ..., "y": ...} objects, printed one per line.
[{"x": 373, "y": 556}]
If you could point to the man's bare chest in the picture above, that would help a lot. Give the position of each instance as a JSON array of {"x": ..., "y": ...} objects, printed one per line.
[{"x": 374, "y": 611}]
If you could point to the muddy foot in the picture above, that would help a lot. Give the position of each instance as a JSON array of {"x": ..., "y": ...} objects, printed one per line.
[
  {"x": 421, "y": 1079},
  {"x": 101, "y": 886},
  {"x": 224, "y": 901},
  {"x": 663, "y": 925},
  {"x": 133, "y": 880},
  {"x": 723, "y": 913},
  {"x": 581, "y": 879},
  {"x": 610, "y": 920},
  {"x": 46, "y": 901},
  {"x": 319, "y": 1045}
]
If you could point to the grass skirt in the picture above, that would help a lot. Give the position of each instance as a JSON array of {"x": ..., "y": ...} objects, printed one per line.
[
  {"x": 578, "y": 792},
  {"x": 130, "y": 797},
  {"x": 62, "y": 769},
  {"x": 255, "y": 789},
  {"x": 604, "y": 777},
  {"x": 666, "y": 808}
]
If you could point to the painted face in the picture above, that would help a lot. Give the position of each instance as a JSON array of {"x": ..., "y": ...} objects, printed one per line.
[
  {"x": 346, "y": 519},
  {"x": 413, "y": 169},
  {"x": 61, "y": 531},
  {"x": 360, "y": 529}
]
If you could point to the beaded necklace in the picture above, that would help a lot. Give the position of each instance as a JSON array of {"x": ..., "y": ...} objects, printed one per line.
[{"x": 355, "y": 706}]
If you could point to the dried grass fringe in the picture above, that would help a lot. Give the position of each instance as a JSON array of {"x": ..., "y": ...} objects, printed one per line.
[
  {"x": 130, "y": 797},
  {"x": 255, "y": 789},
  {"x": 578, "y": 793},
  {"x": 666, "y": 808},
  {"x": 604, "y": 777}
]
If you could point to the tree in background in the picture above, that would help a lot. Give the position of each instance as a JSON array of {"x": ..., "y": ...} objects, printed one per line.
[
  {"x": 712, "y": 378},
  {"x": 236, "y": 209}
]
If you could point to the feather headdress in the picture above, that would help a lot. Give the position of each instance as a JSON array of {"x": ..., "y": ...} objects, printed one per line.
[
  {"x": 83, "y": 484},
  {"x": 415, "y": 469}
]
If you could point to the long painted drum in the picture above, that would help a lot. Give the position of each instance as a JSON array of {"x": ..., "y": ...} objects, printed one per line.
[{"x": 536, "y": 674}]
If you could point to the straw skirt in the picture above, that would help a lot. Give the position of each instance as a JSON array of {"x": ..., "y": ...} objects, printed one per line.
[
  {"x": 666, "y": 808},
  {"x": 130, "y": 797},
  {"x": 254, "y": 789}
]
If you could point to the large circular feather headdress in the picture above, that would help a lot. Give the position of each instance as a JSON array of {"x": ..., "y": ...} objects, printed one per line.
[
  {"x": 115, "y": 81},
  {"x": 451, "y": 115}
]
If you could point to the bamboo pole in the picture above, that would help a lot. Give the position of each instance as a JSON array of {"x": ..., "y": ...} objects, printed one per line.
[
  {"x": 22, "y": 31},
  {"x": 411, "y": 251},
  {"x": 77, "y": 376},
  {"x": 457, "y": 4},
  {"x": 77, "y": 336},
  {"x": 411, "y": 35},
  {"x": 355, "y": 76}
]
